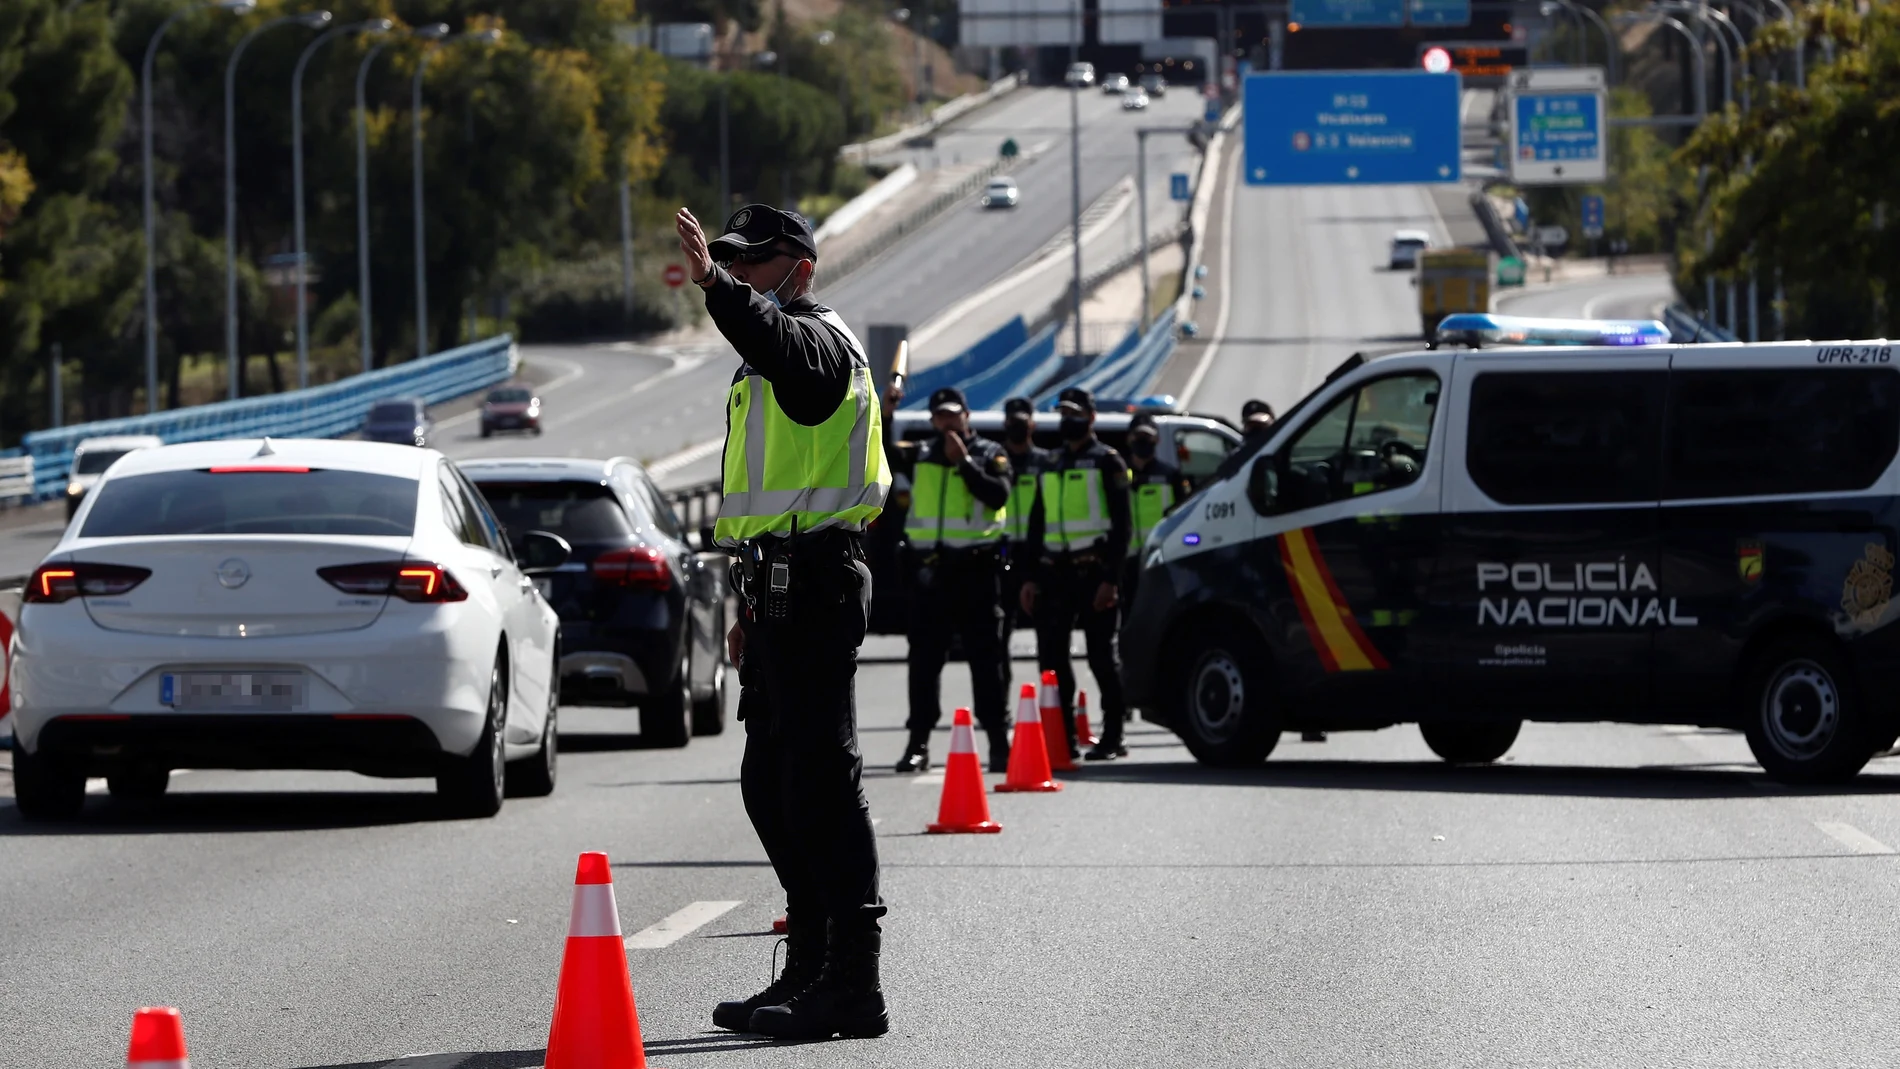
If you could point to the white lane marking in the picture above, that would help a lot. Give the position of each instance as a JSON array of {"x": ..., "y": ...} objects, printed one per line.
[
  {"x": 1853, "y": 838},
  {"x": 678, "y": 926},
  {"x": 667, "y": 465},
  {"x": 575, "y": 371},
  {"x": 1226, "y": 292},
  {"x": 928, "y": 779}
]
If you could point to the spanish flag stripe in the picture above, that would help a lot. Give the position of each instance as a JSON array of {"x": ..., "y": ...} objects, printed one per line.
[
  {"x": 1364, "y": 644},
  {"x": 1336, "y": 637},
  {"x": 1293, "y": 581}
]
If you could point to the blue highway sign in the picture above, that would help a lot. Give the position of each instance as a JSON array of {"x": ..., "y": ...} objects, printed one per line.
[
  {"x": 1178, "y": 187},
  {"x": 1355, "y": 128},
  {"x": 1439, "y": 12},
  {"x": 1321, "y": 13},
  {"x": 1558, "y": 136},
  {"x": 1592, "y": 216}
]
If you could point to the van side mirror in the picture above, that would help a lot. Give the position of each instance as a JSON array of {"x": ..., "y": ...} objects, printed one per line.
[
  {"x": 542, "y": 552},
  {"x": 1263, "y": 484}
]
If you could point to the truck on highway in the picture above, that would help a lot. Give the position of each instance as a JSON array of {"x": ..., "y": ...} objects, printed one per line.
[{"x": 1450, "y": 281}]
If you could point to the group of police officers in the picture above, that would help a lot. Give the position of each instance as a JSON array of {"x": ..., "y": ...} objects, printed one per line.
[{"x": 990, "y": 527}]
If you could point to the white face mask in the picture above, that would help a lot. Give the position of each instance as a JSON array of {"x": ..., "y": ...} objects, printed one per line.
[{"x": 773, "y": 293}]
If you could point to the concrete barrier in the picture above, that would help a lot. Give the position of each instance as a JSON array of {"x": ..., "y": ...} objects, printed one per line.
[{"x": 864, "y": 203}]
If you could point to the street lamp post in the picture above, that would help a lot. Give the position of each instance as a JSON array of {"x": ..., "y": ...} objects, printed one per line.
[
  {"x": 234, "y": 361},
  {"x": 1075, "y": 171},
  {"x": 431, "y": 32},
  {"x": 1609, "y": 38},
  {"x": 151, "y": 224},
  {"x": 422, "y": 251},
  {"x": 296, "y": 179}
]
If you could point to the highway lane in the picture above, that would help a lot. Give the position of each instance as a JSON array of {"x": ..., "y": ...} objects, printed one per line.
[
  {"x": 1307, "y": 284},
  {"x": 1607, "y": 896},
  {"x": 967, "y": 247},
  {"x": 1608, "y": 297}
]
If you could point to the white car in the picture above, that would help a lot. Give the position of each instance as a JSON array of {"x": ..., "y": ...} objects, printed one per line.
[
  {"x": 1406, "y": 245},
  {"x": 1135, "y": 100},
  {"x": 1115, "y": 83},
  {"x": 285, "y": 604},
  {"x": 1000, "y": 193},
  {"x": 1082, "y": 74},
  {"x": 91, "y": 458}
]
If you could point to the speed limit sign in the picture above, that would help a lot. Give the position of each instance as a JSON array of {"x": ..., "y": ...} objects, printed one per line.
[{"x": 675, "y": 275}]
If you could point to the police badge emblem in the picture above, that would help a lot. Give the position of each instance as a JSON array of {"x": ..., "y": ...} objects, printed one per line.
[
  {"x": 1748, "y": 561},
  {"x": 1869, "y": 585}
]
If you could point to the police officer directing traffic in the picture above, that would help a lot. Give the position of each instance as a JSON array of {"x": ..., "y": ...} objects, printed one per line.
[
  {"x": 804, "y": 473},
  {"x": 960, "y": 483},
  {"x": 1078, "y": 535},
  {"x": 1155, "y": 487}
]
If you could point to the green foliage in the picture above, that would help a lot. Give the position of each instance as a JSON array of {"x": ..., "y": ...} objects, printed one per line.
[
  {"x": 782, "y": 132},
  {"x": 1803, "y": 184}
]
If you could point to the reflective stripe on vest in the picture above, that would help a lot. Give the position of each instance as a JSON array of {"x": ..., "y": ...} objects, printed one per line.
[
  {"x": 944, "y": 512},
  {"x": 1151, "y": 502},
  {"x": 1073, "y": 516},
  {"x": 1022, "y": 502},
  {"x": 778, "y": 471}
]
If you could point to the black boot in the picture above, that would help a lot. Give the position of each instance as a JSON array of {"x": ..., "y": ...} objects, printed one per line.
[
  {"x": 846, "y": 999},
  {"x": 1106, "y": 750},
  {"x": 999, "y": 751},
  {"x": 916, "y": 756},
  {"x": 804, "y": 959}
]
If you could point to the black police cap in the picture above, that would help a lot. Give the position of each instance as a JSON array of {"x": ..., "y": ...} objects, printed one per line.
[
  {"x": 757, "y": 227},
  {"x": 947, "y": 399},
  {"x": 1256, "y": 407},
  {"x": 1018, "y": 407},
  {"x": 1144, "y": 422},
  {"x": 1076, "y": 397}
]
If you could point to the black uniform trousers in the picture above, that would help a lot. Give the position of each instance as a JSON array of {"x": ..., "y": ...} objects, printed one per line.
[
  {"x": 801, "y": 774},
  {"x": 1065, "y": 600},
  {"x": 959, "y": 594}
]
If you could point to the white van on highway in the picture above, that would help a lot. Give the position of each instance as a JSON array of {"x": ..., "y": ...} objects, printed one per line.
[{"x": 91, "y": 458}]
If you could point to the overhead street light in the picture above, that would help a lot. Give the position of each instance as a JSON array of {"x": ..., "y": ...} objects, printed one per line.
[
  {"x": 296, "y": 169},
  {"x": 430, "y": 32},
  {"x": 438, "y": 32},
  {"x": 233, "y": 359},
  {"x": 1583, "y": 11},
  {"x": 151, "y": 226}
]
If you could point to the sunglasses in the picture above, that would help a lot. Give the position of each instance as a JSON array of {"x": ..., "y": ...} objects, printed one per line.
[{"x": 763, "y": 256}]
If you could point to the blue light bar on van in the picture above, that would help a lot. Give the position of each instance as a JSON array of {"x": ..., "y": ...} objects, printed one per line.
[{"x": 1482, "y": 330}]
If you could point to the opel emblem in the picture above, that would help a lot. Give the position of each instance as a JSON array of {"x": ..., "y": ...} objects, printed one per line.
[{"x": 233, "y": 573}]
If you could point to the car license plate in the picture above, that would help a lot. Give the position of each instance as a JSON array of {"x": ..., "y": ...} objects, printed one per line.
[
  {"x": 545, "y": 587},
  {"x": 255, "y": 691}
]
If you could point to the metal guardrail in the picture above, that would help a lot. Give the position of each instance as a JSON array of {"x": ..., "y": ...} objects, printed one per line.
[
  {"x": 16, "y": 477},
  {"x": 697, "y": 506},
  {"x": 319, "y": 412},
  {"x": 1686, "y": 329}
]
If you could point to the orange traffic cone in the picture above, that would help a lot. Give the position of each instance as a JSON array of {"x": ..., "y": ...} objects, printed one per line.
[
  {"x": 1029, "y": 754},
  {"x": 1050, "y": 709},
  {"x": 595, "y": 1024},
  {"x": 1084, "y": 734},
  {"x": 964, "y": 806},
  {"x": 158, "y": 1040}
]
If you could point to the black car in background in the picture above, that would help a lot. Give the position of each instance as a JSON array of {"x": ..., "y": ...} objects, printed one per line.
[
  {"x": 400, "y": 420},
  {"x": 643, "y": 616}
]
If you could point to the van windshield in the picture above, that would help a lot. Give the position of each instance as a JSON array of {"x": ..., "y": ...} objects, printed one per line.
[{"x": 95, "y": 461}]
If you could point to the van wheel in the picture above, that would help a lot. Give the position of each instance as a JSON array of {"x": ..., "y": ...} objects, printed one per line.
[
  {"x": 1224, "y": 707},
  {"x": 666, "y": 717},
  {"x": 46, "y": 789},
  {"x": 1469, "y": 742},
  {"x": 474, "y": 786},
  {"x": 1803, "y": 716}
]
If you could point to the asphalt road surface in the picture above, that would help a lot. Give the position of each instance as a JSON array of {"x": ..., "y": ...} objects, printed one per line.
[{"x": 1607, "y": 896}]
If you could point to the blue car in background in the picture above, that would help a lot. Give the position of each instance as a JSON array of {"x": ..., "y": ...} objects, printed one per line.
[{"x": 400, "y": 420}]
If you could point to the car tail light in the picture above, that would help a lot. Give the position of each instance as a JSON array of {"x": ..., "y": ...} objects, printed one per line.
[
  {"x": 410, "y": 580},
  {"x": 54, "y": 583},
  {"x": 642, "y": 566}
]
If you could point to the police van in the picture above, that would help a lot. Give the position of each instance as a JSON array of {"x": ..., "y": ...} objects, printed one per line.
[{"x": 1468, "y": 539}]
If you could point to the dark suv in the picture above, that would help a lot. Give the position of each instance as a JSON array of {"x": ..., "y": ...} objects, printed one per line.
[
  {"x": 643, "y": 616},
  {"x": 399, "y": 420}
]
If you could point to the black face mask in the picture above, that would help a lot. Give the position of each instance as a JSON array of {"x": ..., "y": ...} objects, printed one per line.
[
  {"x": 1142, "y": 448},
  {"x": 1074, "y": 430},
  {"x": 1016, "y": 433}
]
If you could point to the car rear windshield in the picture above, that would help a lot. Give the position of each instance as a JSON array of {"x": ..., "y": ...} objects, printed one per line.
[
  {"x": 262, "y": 502},
  {"x": 96, "y": 461},
  {"x": 577, "y": 511},
  {"x": 508, "y": 397},
  {"x": 394, "y": 411}
]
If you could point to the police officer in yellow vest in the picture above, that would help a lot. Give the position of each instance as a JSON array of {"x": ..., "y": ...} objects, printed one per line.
[
  {"x": 804, "y": 474},
  {"x": 1078, "y": 535},
  {"x": 1026, "y": 461},
  {"x": 953, "y": 534},
  {"x": 1154, "y": 487}
]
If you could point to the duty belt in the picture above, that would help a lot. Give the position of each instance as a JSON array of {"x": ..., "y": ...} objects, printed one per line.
[{"x": 761, "y": 568}]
